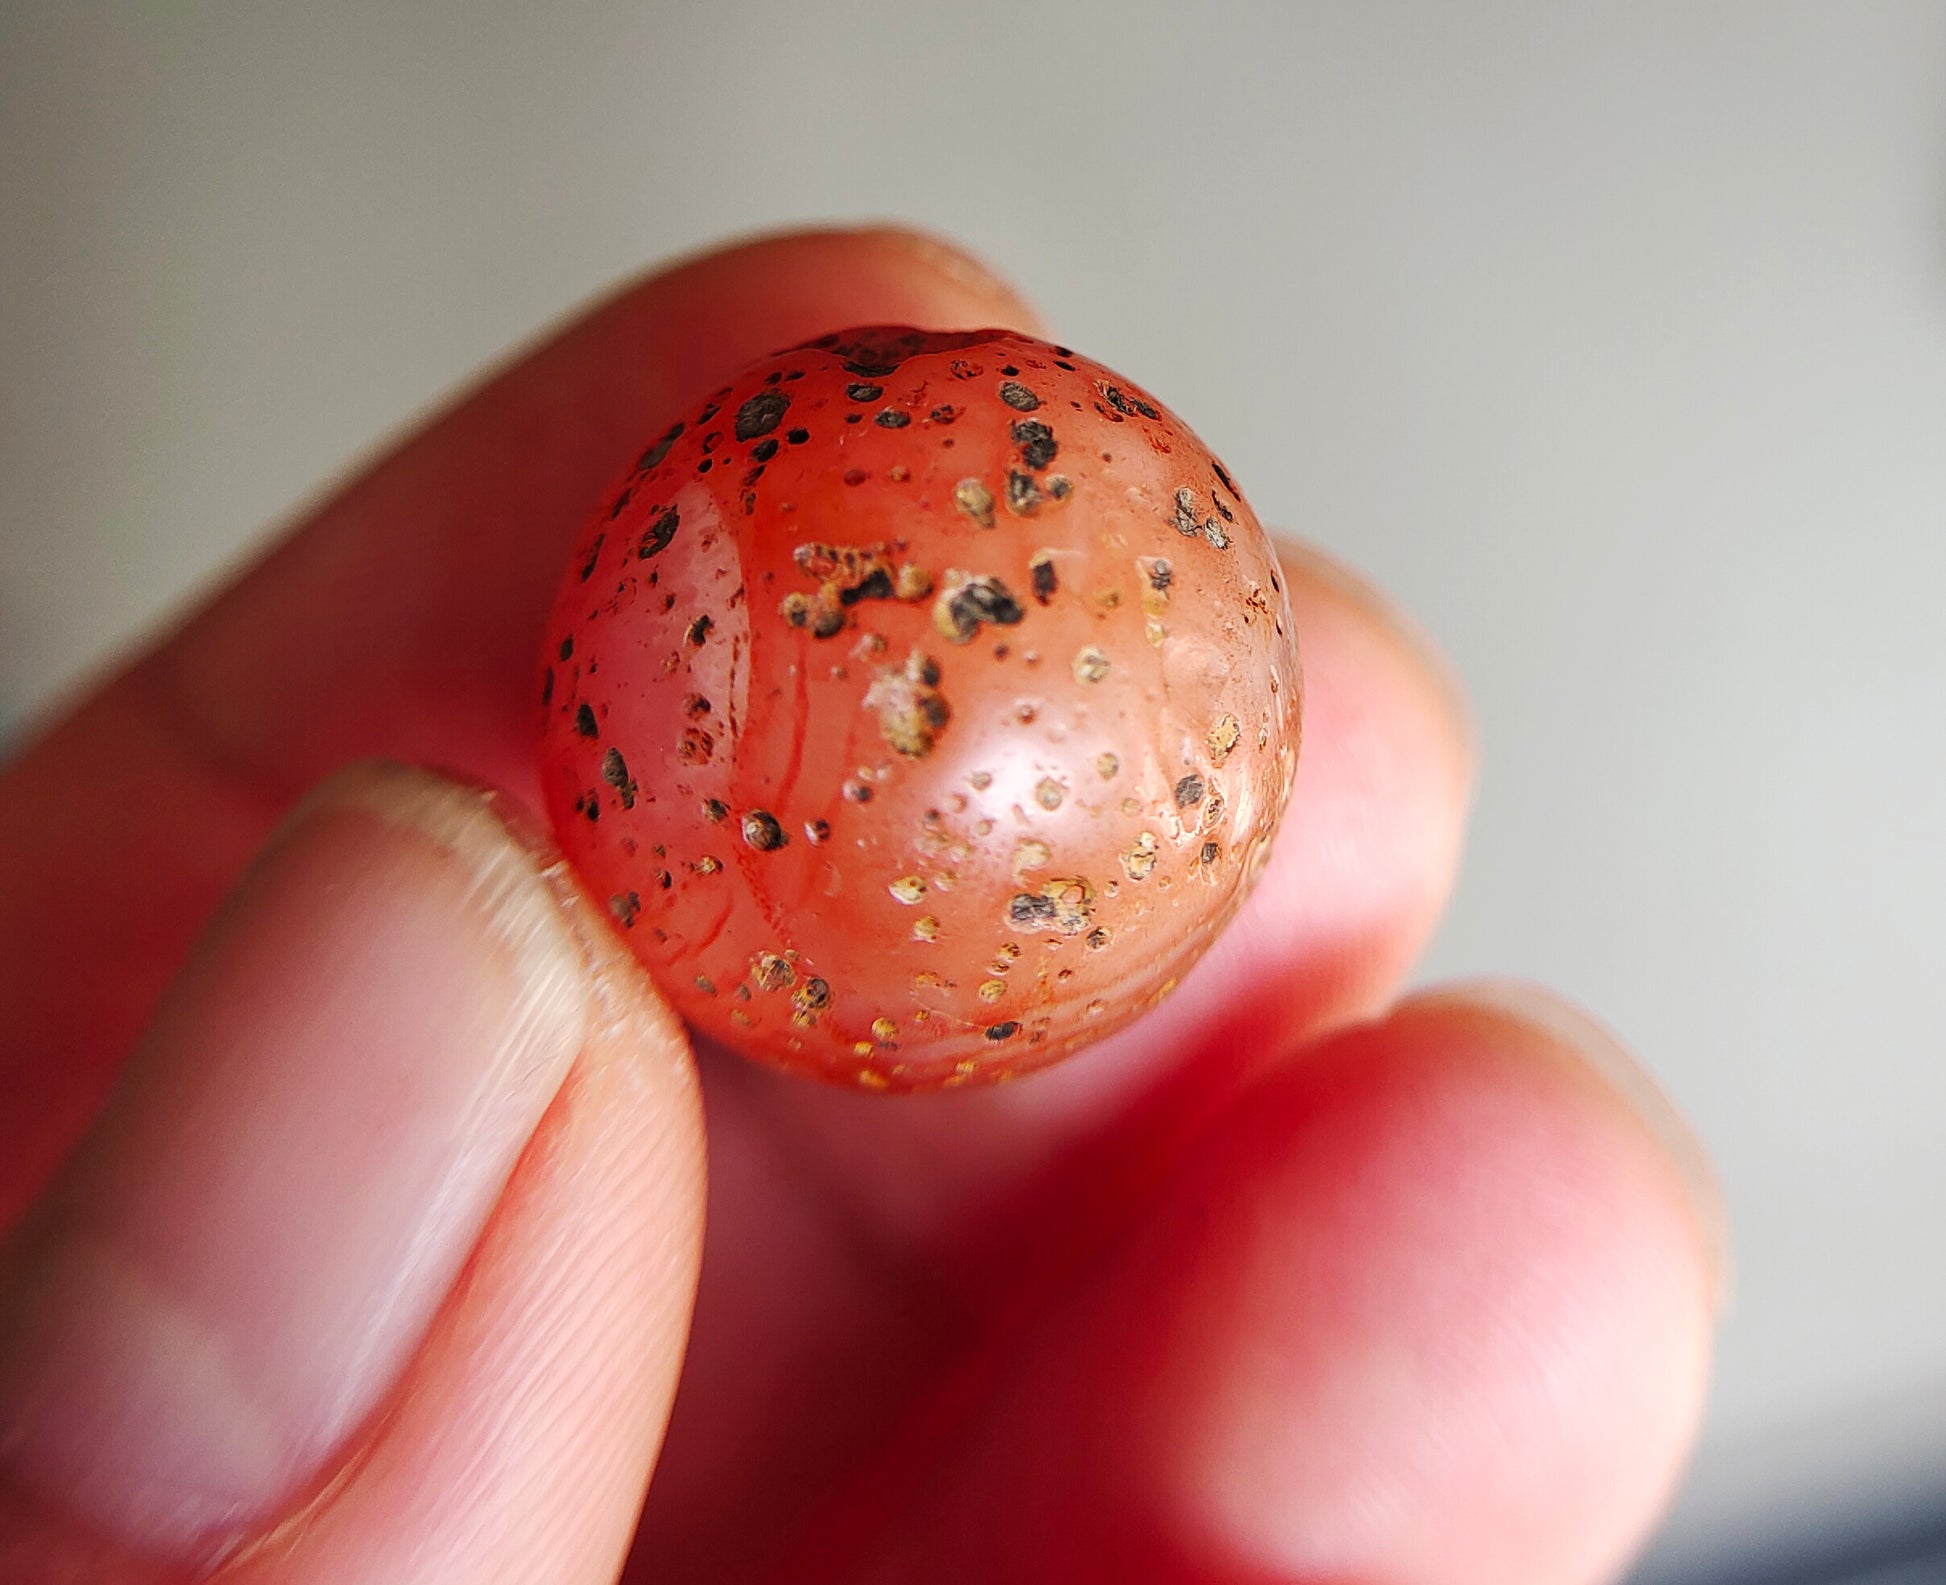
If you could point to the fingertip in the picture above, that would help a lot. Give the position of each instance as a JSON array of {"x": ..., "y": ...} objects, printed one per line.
[
  {"x": 394, "y": 1222},
  {"x": 720, "y": 308},
  {"x": 1448, "y": 1300},
  {"x": 979, "y": 294},
  {"x": 1593, "y": 1052},
  {"x": 1319, "y": 577},
  {"x": 1369, "y": 848},
  {"x": 521, "y": 1442}
]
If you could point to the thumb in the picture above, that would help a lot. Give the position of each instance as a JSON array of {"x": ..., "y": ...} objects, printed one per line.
[{"x": 379, "y": 1262}]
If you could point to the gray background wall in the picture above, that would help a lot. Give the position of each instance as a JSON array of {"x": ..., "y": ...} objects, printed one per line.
[{"x": 1612, "y": 338}]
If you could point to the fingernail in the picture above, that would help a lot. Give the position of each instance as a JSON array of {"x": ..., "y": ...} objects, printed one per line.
[
  {"x": 970, "y": 274},
  {"x": 1636, "y": 1086},
  {"x": 1304, "y": 561},
  {"x": 238, "y": 1263}
]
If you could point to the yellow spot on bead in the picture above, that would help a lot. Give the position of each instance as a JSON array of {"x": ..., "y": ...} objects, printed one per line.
[{"x": 1223, "y": 737}]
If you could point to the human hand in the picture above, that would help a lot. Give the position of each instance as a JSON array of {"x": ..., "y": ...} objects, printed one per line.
[{"x": 377, "y": 1260}]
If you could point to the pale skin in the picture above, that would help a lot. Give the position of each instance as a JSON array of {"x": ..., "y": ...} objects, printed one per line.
[{"x": 1294, "y": 1280}]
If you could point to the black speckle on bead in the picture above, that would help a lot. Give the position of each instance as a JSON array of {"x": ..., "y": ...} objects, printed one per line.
[
  {"x": 614, "y": 771},
  {"x": 584, "y": 720},
  {"x": 762, "y": 832},
  {"x": 764, "y": 450},
  {"x": 593, "y": 556},
  {"x": 1003, "y": 1031},
  {"x": 652, "y": 458},
  {"x": 657, "y": 536},
  {"x": 698, "y": 630},
  {"x": 797, "y": 437},
  {"x": 1190, "y": 791},
  {"x": 874, "y": 585},
  {"x": 892, "y": 418},
  {"x": 1036, "y": 442},
  {"x": 761, "y": 414},
  {"x": 962, "y": 607},
  {"x": 1042, "y": 567},
  {"x": 1018, "y": 397},
  {"x": 862, "y": 392},
  {"x": 1027, "y": 909},
  {"x": 566, "y": 651},
  {"x": 1118, "y": 399}
]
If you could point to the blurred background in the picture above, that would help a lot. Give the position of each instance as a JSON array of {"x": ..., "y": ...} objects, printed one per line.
[{"x": 1612, "y": 339}]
